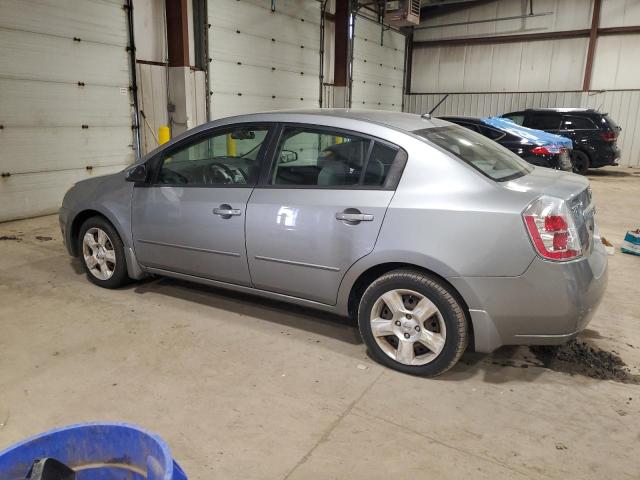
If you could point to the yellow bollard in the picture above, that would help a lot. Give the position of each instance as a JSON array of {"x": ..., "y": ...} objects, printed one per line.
[
  {"x": 164, "y": 134},
  {"x": 232, "y": 148}
]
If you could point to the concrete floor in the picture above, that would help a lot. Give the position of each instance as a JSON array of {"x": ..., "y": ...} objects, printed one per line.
[{"x": 245, "y": 388}]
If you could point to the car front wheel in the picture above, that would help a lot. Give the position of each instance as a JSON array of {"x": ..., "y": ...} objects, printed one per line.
[
  {"x": 413, "y": 323},
  {"x": 102, "y": 253}
]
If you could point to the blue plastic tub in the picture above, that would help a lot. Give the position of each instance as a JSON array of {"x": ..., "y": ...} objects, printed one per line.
[{"x": 97, "y": 451}]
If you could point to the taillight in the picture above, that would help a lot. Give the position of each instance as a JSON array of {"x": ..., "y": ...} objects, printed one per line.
[
  {"x": 540, "y": 151},
  {"x": 609, "y": 136},
  {"x": 551, "y": 229},
  {"x": 546, "y": 150}
]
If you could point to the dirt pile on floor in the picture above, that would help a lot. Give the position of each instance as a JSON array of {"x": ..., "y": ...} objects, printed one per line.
[{"x": 579, "y": 358}]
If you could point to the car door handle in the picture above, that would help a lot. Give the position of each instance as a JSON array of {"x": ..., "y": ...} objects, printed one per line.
[
  {"x": 354, "y": 217},
  {"x": 225, "y": 211}
]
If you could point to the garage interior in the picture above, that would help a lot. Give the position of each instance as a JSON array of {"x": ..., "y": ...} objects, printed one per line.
[{"x": 242, "y": 387}]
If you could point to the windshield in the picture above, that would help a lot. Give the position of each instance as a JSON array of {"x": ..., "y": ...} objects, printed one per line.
[{"x": 486, "y": 156}]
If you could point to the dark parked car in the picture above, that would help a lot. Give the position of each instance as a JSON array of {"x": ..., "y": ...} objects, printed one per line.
[
  {"x": 594, "y": 134},
  {"x": 528, "y": 147}
]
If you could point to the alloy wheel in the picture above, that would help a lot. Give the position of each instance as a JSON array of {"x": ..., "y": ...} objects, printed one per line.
[
  {"x": 99, "y": 253},
  {"x": 408, "y": 327}
]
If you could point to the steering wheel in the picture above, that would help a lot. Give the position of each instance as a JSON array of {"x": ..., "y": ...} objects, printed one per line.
[{"x": 226, "y": 173}]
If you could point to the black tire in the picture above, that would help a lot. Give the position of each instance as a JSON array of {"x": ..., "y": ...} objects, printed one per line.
[
  {"x": 451, "y": 310},
  {"x": 580, "y": 162},
  {"x": 119, "y": 276}
]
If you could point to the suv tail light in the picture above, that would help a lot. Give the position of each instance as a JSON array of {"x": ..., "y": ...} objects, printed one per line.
[
  {"x": 552, "y": 230},
  {"x": 609, "y": 136}
]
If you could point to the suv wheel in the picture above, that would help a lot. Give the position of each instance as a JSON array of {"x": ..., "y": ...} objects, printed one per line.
[
  {"x": 412, "y": 322},
  {"x": 102, "y": 253},
  {"x": 580, "y": 162}
]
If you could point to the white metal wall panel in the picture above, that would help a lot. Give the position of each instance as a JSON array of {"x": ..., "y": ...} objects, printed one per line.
[
  {"x": 263, "y": 60},
  {"x": 566, "y": 15},
  {"x": 623, "y": 106},
  {"x": 521, "y": 66},
  {"x": 615, "y": 64},
  {"x": 378, "y": 66},
  {"x": 65, "y": 105},
  {"x": 620, "y": 13}
]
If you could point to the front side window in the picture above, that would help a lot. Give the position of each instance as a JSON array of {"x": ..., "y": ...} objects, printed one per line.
[
  {"x": 543, "y": 121},
  {"x": 320, "y": 158},
  {"x": 227, "y": 157},
  {"x": 486, "y": 156},
  {"x": 517, "y": 118}
]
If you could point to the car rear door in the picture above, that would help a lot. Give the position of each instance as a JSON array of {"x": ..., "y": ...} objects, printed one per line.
[
  {"x": 581, "y": 130},
  {"x": 190, "y": 219},
  {"x": 318, "y": 209}
]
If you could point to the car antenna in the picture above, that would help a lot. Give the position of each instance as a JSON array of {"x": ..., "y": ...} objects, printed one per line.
[{"x": 427, "y": 116}]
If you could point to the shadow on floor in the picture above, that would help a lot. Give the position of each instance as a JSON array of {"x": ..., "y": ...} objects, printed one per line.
[
  {"x": 285, "y": 314},
  {"x": 612, "y": 173}
]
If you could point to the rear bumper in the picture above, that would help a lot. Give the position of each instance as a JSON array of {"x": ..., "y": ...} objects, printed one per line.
[
  {"x": 609, "y": 156},
  {"x": 549, "y": 304}
]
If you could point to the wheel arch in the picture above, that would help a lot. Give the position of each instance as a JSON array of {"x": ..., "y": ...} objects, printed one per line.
[
  {"x": 76, "y": 224},
  {"x": 365, "y": 278}
]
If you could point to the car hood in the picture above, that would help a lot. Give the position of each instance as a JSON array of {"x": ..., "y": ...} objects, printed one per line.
[{"x": 546, "y": 181}]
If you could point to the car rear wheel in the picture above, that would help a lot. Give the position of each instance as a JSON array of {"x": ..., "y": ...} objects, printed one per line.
[
  {"x": 413, "y": 323},
  {"x": 580, "y": 162},
  {"x": 102, "y": 253}
]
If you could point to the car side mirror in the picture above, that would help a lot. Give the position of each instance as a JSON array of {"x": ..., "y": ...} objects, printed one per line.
[
  {"x": 138, "y": 173},
  {"x": 287, "y": 156}
]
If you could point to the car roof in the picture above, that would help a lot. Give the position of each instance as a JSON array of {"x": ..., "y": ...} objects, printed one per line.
[
  {"x": 452, "y": 118},
  {"x": 563, "y": 110},
  {"x": 397, "y": 120}
]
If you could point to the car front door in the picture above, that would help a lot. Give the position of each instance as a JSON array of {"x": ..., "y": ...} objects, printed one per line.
[
  {"x": 190, "y": 218},
  {"x": 318, "y": 209}
]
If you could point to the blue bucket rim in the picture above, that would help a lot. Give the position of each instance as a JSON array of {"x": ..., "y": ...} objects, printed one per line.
[{"x": 168, "y": 460}]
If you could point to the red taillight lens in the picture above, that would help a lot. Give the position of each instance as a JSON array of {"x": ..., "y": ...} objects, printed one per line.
[
  {"x": 551, "y": 229},
  {"x": 555, "y": 223},
  {"x": 609, "y": 136},
  {"x": 540, "y": 151}
]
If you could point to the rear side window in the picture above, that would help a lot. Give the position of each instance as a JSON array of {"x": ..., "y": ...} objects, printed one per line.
[
  {"x": 486, "y": 156},
  {"x": 307, "y": 157},
  {"x": 492, "y": 133},
  {"x": 379, "y": 164},
  {"x": 543, "y": 121},
  {"x": 577, "y": 123}
]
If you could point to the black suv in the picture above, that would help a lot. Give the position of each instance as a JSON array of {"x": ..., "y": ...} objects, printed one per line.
[
  {"x": 530, "y": 151},
  {"x": 594, "y": 134}
]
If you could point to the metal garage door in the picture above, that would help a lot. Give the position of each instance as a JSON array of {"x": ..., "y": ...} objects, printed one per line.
[
  {"x": 263, "y": 60},
  {"x": 65, "y": 107},
  {"x": 378, "y": 66}
]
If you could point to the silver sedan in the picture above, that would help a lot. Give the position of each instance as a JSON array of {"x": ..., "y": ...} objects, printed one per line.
[{"x": 430, "y": 235}]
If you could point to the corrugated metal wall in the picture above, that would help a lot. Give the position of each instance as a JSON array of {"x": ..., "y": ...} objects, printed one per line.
[{"x": 622, "y": 105}]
